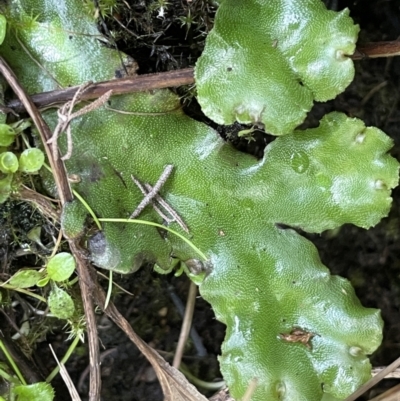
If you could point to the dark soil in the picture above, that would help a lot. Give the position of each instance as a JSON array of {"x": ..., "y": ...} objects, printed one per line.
[{"x": 368, "y": 258}]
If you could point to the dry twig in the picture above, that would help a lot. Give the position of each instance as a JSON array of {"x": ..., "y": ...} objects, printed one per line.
[
  {"x": 170, "y": 79},
  {"x": 376, "y": 379},
  {"x": 151, "y": 196},
  {"x": 65, "y": 116},
  {"x": 186, "y": 325},
  {"x": 154, "y": 191},
  {"x": 87, "y": 280},
  {"x": 174, "y": 384},
  {"x": 118, "y": 86}
]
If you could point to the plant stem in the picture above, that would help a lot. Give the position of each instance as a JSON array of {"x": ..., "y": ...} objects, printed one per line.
[
  {"x": 12, "y": 363},
  {"x": 9, "y": 378},
  {"x": 150, "y": 223},
  {"x": 26, "y": 292}
]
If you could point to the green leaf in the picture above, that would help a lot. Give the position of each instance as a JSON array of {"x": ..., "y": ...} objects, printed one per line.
[
  {"x": 61, "y": 304},
  {"x": 39, "y": 391},
  {"x": 31, "y": 160},
  {"x": 264, "y": 281},
  {"x": 8, "y": 162},
  {"x": 61, "y": 42},
  {"x": 3, "y": 28},
  {"x": 7, "y": 133},
  {"x": 25, "y": 278},
  {"x": 5, "y": 188},
  {"x": 260, "y": 66},
  {"x": 43, "y": 282},
  {"x": 61, "y": 266}
]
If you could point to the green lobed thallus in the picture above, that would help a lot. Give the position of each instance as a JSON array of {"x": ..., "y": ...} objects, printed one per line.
[{"x": 264, "y": 63}]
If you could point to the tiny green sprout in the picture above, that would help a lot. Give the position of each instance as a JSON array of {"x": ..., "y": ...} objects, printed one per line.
[
  {"x": 187, "y": 21},
  {"x": 102, "y": 7},
  {"x": 43, "y": 282},
  {"x": 20, "y": 126},
  {"x": 7, "y": 135},
  {"x": 31, "y": 160},
  {"x": 161, "y": 6},
  {"x": 247, "y": 134},
  {"x": 8, "y": 163}
]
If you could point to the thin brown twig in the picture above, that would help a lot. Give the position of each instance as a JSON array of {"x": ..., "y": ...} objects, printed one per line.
[
  {"x": 393, "y": 394},
  {"x": 65, "y": 116},
  {"x": 66, "y": 377},
  {"x": 46, "y": 207},
  {"x": 57, "y": 166},
  {"x": 87, "y": 280},
  {"x": 155, "y": 207},
  {"x": 376, "y": 379},
  {"x": 151, "y": 194},
  {"x": 170, "y": 79},
  {"x": 377, "y": 50},
  {"x": 394, "y": 374},
  {"x": 186, "y": 325},
  {"x": 175, "y": 216},
  {"x": 118, "y": 86},
  {"x": 173, "y": 383}
]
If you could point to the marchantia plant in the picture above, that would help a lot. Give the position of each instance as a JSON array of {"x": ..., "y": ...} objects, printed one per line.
[{"x": 300, "y": 332}]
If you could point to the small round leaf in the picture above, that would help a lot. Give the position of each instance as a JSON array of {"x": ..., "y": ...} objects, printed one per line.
[
  {"x": 25, "y": 278},
  {"x": 61, "y": 266},
  {"x": 7, "y": 133},
  {"x": 38, "y": 391},
  {"x": 61, "y": 304},
  {"x": 31, "y": 160},
  {"x": 8, "y": 162}
]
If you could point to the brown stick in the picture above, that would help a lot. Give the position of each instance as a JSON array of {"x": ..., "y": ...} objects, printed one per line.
[
  {"x": 186, "y": 325},
  {"x": 170, "y": 79},
  {"x": 65, "y": 194},
  {"x": 121, "y": 86},
  {"x": 377, "y": 49},
  {"x": 376, "y": 379},
  {"x": 57, "y": 166}
]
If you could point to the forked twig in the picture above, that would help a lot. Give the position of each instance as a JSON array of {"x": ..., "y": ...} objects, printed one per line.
[
  {"x": 155, "y": 207},
  {"x": 65, "y": 116},
  {"x": 151, "y": 196},
  {"x": 168, "y": 208}
]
